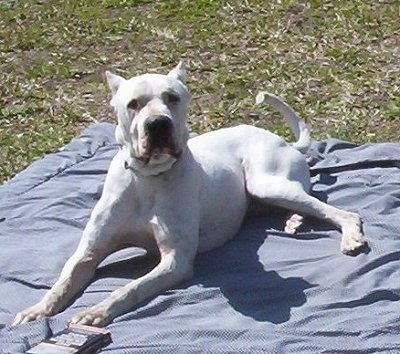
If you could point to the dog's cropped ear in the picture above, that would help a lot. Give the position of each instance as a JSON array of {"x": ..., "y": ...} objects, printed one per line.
[
  {"x": 114, "y": 81},
  {"x": 179, "y": 72}
]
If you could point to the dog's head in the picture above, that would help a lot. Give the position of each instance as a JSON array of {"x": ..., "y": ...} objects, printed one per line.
[{"x": 151, "y": 110}]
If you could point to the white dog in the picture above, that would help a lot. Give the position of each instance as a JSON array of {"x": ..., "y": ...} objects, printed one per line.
[{"x": 176, "y": 197}]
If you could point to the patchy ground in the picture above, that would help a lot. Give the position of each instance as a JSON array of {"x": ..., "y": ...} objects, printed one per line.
[{"x": 336, "y": 62}]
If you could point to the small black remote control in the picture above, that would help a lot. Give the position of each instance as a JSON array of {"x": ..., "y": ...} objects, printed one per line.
[{"x": 76, "y": 339}]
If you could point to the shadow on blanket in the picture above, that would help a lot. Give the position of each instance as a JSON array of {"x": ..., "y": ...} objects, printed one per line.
[{"x": 273, "y": 297}]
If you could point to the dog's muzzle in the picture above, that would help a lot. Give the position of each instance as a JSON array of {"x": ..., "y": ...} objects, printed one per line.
[
  {"x": 159, "y": 143},
  {"x": 159, "y": 139},
  {"x": 159, "y": 130}
]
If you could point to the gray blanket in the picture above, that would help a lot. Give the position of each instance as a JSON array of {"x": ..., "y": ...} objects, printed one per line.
[{"x": 263, "y": 292}]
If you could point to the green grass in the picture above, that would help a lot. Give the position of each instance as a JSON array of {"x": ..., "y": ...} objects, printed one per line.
[{"x": 335, "y": 62}]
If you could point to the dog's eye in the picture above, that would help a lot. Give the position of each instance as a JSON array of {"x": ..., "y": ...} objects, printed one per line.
[
  {"x": 134, "y": 104},
  {"x": 172, "y": 97}
]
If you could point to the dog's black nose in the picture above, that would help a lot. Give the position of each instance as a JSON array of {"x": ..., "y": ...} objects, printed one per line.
[{"x": 158, "y": 126}]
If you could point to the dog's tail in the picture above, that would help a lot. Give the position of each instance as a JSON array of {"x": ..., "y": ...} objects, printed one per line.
[{"x": 298, "y": 126}]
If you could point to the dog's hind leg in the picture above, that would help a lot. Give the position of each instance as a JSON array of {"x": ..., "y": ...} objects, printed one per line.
[{"x": 275, "y": 190}]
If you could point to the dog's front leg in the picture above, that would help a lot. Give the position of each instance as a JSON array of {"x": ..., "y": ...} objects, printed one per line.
[
  {"x": 100, "y": 238},
  {"x": 76, "y": 273},
  {"x": 79, "y": 269},
  {"x": 178, "y": 246},
  {"x": 172, "y": 269}
]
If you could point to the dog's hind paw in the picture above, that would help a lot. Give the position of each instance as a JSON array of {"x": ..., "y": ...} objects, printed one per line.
[
  {"x": 352, "y": 239},
  {"x": 351, "y": 244}
]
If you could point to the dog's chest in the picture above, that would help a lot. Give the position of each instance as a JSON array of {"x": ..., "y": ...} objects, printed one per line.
[{"x": 142, "y": 211}]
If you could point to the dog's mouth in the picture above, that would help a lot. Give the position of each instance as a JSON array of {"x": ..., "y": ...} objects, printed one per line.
[
  {"x": 158, "y": 143},
  {"x": 158, "y": 155}
]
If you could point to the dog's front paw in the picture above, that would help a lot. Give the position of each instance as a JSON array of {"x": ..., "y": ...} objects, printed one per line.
[
  {"x": 32, "y": 313},
  {"x": 93, "y": 316},
  {"x": 352, "y": 243},
  {"x": 293, "y": 223}
]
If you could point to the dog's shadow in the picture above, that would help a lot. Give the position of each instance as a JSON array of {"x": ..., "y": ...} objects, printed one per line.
[
  {"x": 251, "y": 290},
  {"x": 129, "y": 263}
]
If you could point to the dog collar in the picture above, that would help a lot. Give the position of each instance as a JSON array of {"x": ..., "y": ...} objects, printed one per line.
[
  {"x": 127, "y": 167},
  {"x": 138, "y": 172}
]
